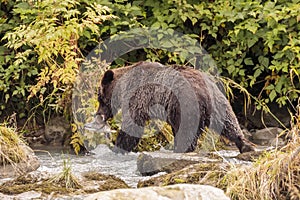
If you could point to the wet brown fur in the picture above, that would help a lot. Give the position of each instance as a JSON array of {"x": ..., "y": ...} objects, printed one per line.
[{"x": 150, "y": 94}]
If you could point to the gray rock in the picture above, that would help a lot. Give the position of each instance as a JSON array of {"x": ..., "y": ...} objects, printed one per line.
[
  {"x": 201, "y": 173},
  {"x": 247, "y": 133},
  {"x": 172, "y": 192},
  {"x": 23, "y": 196},
  {"x": 149, "y": 163},
  {"x": 267, "y": 136},
  {"x": 57, "y": 131},
  {"x": 29, "y": 164}
]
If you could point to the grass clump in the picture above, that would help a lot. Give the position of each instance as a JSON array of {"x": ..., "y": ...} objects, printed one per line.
[
  {"x": 275, "y": 175},
  {"x": 10, "y": 149},
  {"x": 110, "y": 182},
  {"x": 66, "y": 178},
  {"x": 62, "y": 183}
]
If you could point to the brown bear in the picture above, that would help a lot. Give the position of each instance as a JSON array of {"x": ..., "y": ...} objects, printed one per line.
[{"x": 187, "y": 99}]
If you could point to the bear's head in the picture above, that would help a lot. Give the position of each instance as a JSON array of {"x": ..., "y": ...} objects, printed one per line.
[
  {"x": 104, "y": 111},
  {"x": 105, "y": 94}
]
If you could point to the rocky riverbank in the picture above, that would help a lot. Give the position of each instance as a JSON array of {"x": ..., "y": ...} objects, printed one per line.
[{"x": 104, "y": 174}]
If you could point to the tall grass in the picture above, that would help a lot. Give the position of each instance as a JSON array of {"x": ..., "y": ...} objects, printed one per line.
[
  {"x": 66, "y": 178},
  {"x": 275, "y": 175}
]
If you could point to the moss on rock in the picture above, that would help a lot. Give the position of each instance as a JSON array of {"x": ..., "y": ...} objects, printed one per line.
[{"x": 201, "y": 173}]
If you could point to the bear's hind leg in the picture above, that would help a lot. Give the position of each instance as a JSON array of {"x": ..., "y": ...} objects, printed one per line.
[{"x": 186, "y": 143}]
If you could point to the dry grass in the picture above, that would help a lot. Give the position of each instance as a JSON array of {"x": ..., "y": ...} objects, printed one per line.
[
  {"x": 10, "y": 150},
  {"x": 66, "y": 178},
  {"x": 275, "y": 175}
]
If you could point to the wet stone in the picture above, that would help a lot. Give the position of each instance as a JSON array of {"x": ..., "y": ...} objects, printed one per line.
[
  {"x": 201, "y": 173},
  {"x": 149, "y": 163}
]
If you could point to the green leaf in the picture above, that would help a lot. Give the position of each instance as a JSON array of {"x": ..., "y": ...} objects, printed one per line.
[
  {"x": 242, "y": 72},
  {"x": 231, "y": 69},
  {"x": 167, "y": 44},
  {"x": 160, "y": 36},
  {"x": 252, "y": 41},
  {"x": 269, "y": 87},
  {"x": 272, "y": 95},
  {"x": 23, "y": 5},
  {"x": 15, "y": 92},
  {"x": 248, "y": 61},
  {"x": 264, "y": 61},
  {"x": 6, "y": 98},
  {"x": 257, "y": 73},
  {"x": 156, "y": 25}
]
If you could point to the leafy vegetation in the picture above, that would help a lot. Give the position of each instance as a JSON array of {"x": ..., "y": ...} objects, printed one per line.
[
  {"x": 44, "y": 43},
  {"x": 41, "y": 52},
  {"x": 256, "y": 43}
]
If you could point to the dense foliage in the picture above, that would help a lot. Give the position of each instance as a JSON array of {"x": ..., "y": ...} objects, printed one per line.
[{"x": 256, "y": 43}]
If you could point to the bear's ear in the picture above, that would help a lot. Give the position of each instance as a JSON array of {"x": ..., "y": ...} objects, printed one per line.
[{"x": 107, "y": 77}]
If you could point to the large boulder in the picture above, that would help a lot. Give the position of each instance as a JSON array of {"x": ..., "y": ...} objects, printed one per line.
[
  {"x": 149, "y": 163},
  {"x": 201, "y": 173},
  {"x": 28, "y": 163},
  {"x": 172, "y": 192}
]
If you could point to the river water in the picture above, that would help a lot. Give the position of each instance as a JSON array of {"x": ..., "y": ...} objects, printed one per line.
[
  {"x": 102, "y": 160},
  {"x": 105, "y": 161}
]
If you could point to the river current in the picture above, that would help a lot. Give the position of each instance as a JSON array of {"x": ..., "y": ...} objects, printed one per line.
[{"x": 102, "y": 160}]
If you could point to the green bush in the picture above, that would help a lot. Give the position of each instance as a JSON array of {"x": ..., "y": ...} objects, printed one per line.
[
  {"x": 256, "y": 43},
  {"x": 41, "y": 52}
]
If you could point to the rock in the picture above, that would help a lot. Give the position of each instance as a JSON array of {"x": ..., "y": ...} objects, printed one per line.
[
  {"x": 89, "y": 182},
  {"x": 149, "y": 163},
  {"x": 35, "y": 137},
  {"x": 201, "y": 173},
  {"x": 23, "y": 196},
  {"x": 57, "y": 131},
  {"x": 267, "y": 136},
  {"x": 29, "y": 164},
  {"x": 247, "y": 133},
  {"x": 95, "y": 182},
  {"x": 176, "y": 192},
  {"x": 249, "y": 156}
]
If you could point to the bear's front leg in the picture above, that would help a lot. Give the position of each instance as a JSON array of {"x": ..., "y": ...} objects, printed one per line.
[
  {"x": 125, "y": 142},
  {"x": 132, "y": 130}
]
